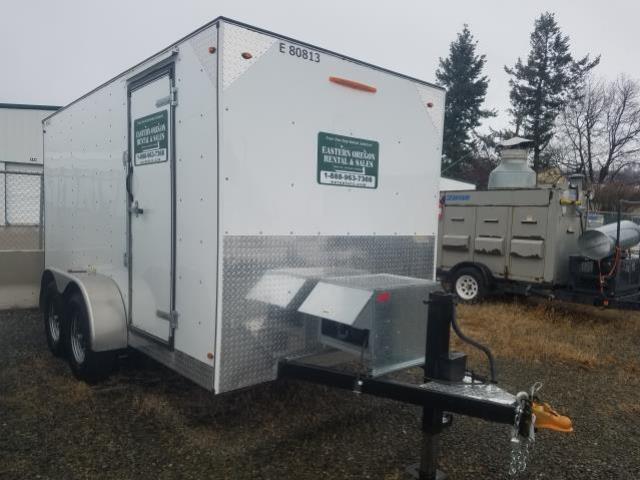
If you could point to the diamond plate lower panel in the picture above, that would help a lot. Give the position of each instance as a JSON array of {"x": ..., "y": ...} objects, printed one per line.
[{"x": 255, "y": 335}]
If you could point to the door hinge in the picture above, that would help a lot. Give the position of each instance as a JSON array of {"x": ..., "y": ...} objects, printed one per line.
[
  {"x": 171, "y": 316},
  {"x": 125, "y": 259},
  {"x": 173, "y": 95}
]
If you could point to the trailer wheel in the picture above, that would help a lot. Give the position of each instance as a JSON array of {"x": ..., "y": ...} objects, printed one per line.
[
  {"x": 85, "y": 364},
  {"x": 469, "y": 285},
  {"x": 53, "y": 320}
]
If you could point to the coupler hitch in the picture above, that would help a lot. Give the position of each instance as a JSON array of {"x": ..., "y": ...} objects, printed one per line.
[{"x": 446, "y": 370}]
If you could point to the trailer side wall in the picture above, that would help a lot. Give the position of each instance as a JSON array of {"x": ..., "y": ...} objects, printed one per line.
[{"x": 86, "y": 198}]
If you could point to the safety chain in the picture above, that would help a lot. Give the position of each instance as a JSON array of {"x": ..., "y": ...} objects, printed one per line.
[{"x": 522, "y": 445}]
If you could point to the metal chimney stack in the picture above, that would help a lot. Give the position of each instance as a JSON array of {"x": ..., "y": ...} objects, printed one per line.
[{"x": 513, "y": 171}]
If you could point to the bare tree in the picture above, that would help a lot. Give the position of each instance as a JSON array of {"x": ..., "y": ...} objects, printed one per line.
[
  {"x": 580, "y": 123},
  {"x": 600, "y": 129},
  {"x": 622, "y": 127}
]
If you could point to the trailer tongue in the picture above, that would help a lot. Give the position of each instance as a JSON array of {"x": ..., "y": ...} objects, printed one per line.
[{"x": 447, "y": 389}]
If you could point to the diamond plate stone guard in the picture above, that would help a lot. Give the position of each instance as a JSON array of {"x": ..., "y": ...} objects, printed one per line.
[{"x": 255, "y": 336}]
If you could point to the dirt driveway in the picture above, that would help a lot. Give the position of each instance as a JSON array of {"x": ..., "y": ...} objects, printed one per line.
[{"x": 147, "y": 422}]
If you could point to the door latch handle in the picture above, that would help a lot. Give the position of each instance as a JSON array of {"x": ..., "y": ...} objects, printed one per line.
[
  {"x": 171, "y": 316},
  {"x": 135, "y": 209}
]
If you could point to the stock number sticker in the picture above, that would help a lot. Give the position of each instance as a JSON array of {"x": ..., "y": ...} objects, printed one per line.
[{"x": 300, "y": 52}]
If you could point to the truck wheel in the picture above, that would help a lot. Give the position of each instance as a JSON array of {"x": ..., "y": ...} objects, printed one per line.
[
  {"x": 469, "y": 285},
  {"x": 53, "y": 320},
  {"x": 85, "y": 364}
]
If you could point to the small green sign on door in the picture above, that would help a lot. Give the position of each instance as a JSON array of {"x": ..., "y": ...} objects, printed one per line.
[
  {"x": 347, "y": 161},
  {"x": 150, "y": 138}
]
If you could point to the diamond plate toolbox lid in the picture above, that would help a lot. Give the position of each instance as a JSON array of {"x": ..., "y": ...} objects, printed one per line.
[{"x": 343, "y": 299}]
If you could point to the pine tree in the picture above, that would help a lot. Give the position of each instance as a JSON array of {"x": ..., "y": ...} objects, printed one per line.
[
  {"x": 541, "y": 86},
  {"x": 461, "y": 74}
]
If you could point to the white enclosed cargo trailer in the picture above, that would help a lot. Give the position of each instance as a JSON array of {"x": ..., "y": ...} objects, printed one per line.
[
  {"x": 244, "y": 207},
  {"x": 193, "y": 202}
]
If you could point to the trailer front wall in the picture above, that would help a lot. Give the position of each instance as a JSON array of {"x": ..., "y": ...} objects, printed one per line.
[{"x": 277, "y": 110}]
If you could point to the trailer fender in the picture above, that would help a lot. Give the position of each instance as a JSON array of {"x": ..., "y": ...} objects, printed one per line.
[{"x": 104, "y": 302}]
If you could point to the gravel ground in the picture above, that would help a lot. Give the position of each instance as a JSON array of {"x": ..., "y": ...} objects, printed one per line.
[{"x": 147, "y": 422}]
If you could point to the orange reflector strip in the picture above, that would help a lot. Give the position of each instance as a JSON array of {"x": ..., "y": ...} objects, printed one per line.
[{"x": 353, "y": 84}]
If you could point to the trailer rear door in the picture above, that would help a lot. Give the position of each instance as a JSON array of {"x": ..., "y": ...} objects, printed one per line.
[{"x": 151, "y": 205}]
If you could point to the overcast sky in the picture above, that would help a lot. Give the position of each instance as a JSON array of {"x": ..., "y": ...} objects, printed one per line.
[{"x": 56, "y": 50}]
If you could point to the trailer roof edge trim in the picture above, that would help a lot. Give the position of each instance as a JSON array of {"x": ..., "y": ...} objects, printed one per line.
[
  {"x": 256, "y": 29},
  {"x": 28, "y": 106}
]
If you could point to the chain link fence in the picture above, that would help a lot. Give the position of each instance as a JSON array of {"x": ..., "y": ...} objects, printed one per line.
[
  {"x": 599, "y": 218},
  {"x": 21, "y": 207},
  {"x": 611, "y": 217}
]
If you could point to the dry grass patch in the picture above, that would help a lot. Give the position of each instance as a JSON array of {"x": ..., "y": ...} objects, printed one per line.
[
  {"x": 154, "y": 404},
  {"x": 540, "y": 331},
  {"x": 630, "y": 408},
  {"x": 30, "y": 387}
]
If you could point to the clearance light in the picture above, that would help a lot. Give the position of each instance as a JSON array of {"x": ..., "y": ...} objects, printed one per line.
[
  {"x": 246, "y": 55},
  {"x": 353, "y": 84},
  {"x": 212, "y": 49},
  {"x": 383, "y": 297}
]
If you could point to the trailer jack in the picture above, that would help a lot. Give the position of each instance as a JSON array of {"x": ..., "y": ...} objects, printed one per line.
[{"x": 440, "y": 396}]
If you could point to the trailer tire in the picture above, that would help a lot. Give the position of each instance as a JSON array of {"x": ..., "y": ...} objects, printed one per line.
[
  {"x": 53, "y": 317},
  {"x": 468, "y": 284},
  {"x": 87, "y": 365}
]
